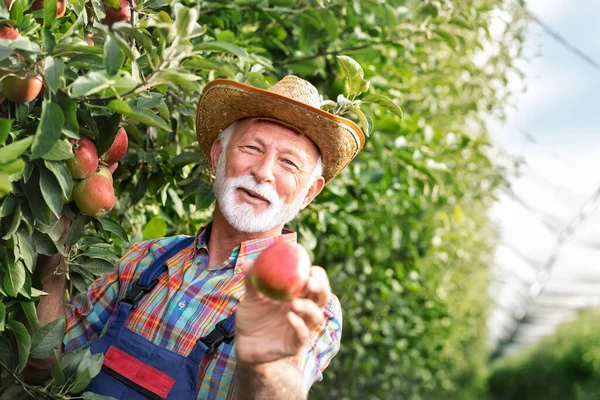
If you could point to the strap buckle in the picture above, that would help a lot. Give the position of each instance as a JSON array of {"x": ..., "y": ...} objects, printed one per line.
[
  {"x": 137, "y": 292},
  {"x": 218, "y": 335}
]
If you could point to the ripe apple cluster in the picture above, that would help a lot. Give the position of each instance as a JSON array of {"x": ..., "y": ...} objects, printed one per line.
[{"x": 93, "y": 189}]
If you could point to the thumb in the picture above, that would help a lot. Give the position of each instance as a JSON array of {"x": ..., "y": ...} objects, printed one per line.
[{"x": 250, "y": 289}]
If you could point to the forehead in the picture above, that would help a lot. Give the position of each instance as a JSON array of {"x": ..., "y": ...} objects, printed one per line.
[{"x": 275, "y": 134}]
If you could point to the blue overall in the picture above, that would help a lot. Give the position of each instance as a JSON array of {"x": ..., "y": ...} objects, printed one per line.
[{"x": 153, "y": 365}]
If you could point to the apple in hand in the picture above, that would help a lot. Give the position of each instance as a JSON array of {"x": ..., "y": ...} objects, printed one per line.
[{"x": 281, "y": 271}]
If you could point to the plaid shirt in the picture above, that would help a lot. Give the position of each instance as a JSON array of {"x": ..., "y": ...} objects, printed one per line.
[{"x": 186, "y": 304}]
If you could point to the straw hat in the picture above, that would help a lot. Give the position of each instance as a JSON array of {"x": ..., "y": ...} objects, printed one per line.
[{"x": 293, "y": 102}]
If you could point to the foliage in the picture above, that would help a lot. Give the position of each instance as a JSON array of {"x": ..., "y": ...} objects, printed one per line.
[
  {"x": 564, "y": 365},
  {"x": 403, "y": 232}
]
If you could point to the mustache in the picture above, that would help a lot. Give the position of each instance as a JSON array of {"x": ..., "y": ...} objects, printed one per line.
[{"x": 264, "y": 190}]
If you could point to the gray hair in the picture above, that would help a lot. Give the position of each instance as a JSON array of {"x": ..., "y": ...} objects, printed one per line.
[{"x": 225, "y": 136}]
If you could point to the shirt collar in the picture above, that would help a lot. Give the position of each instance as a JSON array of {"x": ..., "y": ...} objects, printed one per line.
[{"x": 245, "y": 252}]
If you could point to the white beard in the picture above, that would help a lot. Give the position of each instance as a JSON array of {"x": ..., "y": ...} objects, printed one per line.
[{"x": 242, "y": 216}]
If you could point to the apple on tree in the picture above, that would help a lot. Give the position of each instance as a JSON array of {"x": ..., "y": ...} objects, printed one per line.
[
  {"x": 39, "y": 5},
  {"x": 95, "y": 195},
  {"x": 117, "y": 149},
  {"x": 85, "y": 162},
  {"x": 124, "y": 14},
  {"x": 281, "y": 271}
]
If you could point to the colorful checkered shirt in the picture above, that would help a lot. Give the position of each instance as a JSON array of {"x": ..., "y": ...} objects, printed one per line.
[{"x": 186, "y": 304}]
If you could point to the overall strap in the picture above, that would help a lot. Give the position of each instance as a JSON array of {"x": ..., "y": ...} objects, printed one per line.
[
  {"x": 222, "y": 333},
  {"x": 149, "y": 279}
]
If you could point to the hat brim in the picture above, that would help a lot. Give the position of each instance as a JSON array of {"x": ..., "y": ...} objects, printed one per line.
[{"x": 224, "y": 101}]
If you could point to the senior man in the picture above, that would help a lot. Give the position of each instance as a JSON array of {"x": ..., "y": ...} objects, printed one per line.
[{"x": 178, "y": 319}]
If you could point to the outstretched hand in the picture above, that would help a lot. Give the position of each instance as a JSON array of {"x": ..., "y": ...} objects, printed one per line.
[{"x": 268, "y": 330}]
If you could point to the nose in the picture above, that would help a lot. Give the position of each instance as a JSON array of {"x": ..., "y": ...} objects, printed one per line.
[{"x": 263, "y": 169}]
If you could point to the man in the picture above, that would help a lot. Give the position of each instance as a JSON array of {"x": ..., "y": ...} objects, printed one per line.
[{"x": 166, "y": 333}]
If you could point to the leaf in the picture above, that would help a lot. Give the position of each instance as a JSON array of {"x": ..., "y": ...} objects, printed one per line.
[
  {"x": 63, "y": 176},
  {"x": 2, "y": 316},
  {"x": 386, "y": 102},
  {"x": 188, "y": 157},
  {"x": 205, "y": 195},
  {"x": 34, "y": 196},
  {"x": 447, "y": 37},
  {"x": 69, "y": 107},
  {"x": 76, "y": 230},
  {"x": 43, "y": 244},
  {"x": 51, "y": 191},
  {"x": 13, "y": 167},
  {"x": 138, "y": 36},
  {"x": 185, "y": 18},
  {"x": 31, "y": 314},
  {"x": 14, "y": 225},
  {"x": 112, "y": 226},
  {"x": 5, "y": 126},
  {"x": 5, "y": 184},
  {"x": 54, "y": 69},
  {"x": 47, "y": 338},
  {"x": 177, "y": 203},
  {"x": 14, "y": 150},
  {"x": 113, "y": 56},
  {"x": 354, "y": 76},
  {"x": 139, "y": 114},
  {"x": 49, "y": 12},
  {"x": 49, "y": 129},
  {"x": 90, "y": 83},
  {"x": 97, "y": 266},
  {"x": 82, "y": 380},
  {"x": 27, "y": 249},
  {"x": 222, "y": 46},
  {"x": 365, "y": 123},
  {"x": 155, "y": 228},
  {"x": 94, "y": 396},
  {"x": 175, "y": 77},
  {"x": 23, "y": 342},
  {"x": 14, "y": 277}
]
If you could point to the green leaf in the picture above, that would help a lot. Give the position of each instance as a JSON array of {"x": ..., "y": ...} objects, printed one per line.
[
  {"x": 57, "y": 372},
  {"x": 54, "y": 70},
  {"x": 355, "y": 81},
  {"x": 139, "y": 114},
  {"x": 188, "y": 157},
  {"x": 138, "y": 36},
  {"x": 62, "y": 150},
  {"x": 27, "y": 249},
  {"x": 222, "y": 46},
  {"x": 5, "y": 184},
  {"x": 49, "y": 129},
  {"x": 14, "y": 225},
  {"x": 76, "y": 230},
  {"x": 385, "y": 102},
  {"x": 13, "y": 167},
  {"x": 83, "y": 379},
  {"x": 176, "y": 78},
  {"x": 63, "y": 176},
  {"x": 31, "y": 314},
  {"x": 44, "y": 244},
  {"x": 110, "y": 225},
  {"x": 177, "y": 203},
  {"x": 365, "y": 122},
  {"x": 5, "y": 126},
  {"x": 113, "y": 56},
  {"x": 23, "y": 342},
  {"x": 34, "y": 196},
  {"x": 49, "y": 12},
  {"x": 155, "y": 228},
  {"x": 185, "y": 18},
  {"x": 14, "y": 150},
  {"x": 14, "y": 277},
  {"x": 47, "y": 338},
  {"x": 97, "y": 266},
  {"x": 205, "y": 195},
  {"x": 94, "y": 396},
  {"x": 2, "y": 316},
  {"x": 98, "y": 81},
  {"x": 69, "y": 107},
  {"x": 51, "y": 191}
]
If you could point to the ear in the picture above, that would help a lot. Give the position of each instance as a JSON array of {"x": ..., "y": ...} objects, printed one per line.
[
  {"x": 314, "y": 190},
  {"x": 215, "y": 152}
]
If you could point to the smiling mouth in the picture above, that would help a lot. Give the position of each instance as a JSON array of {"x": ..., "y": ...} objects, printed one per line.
[{"x": 254, "y": 194}]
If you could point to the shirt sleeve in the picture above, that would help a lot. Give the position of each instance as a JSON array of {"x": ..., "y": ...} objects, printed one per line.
[
  {"x": 88, "y": 313},
  {"x": 322, "y": 346}
]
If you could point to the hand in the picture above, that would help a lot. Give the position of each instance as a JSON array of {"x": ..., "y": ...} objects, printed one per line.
[{"x": 268, "y": 330}]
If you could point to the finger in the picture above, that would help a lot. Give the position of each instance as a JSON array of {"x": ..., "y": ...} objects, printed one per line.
[
  {"x": 317, "y": 288},
  {"x": 309, "y": 311},
  {"x": 301, "y": 333},
  {"x": 250, "y": 288}
]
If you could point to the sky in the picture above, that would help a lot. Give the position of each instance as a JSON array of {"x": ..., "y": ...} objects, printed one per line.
[{"x": 555, "y": 130}]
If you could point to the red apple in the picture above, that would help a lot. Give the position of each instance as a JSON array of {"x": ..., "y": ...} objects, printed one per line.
[
  {"x": 94, "y": 195},
  {"x": 281, "y": 271},
  {"x": 21, "y": 87},
  {"x": 105, "y": 172},
  {"x": 112, "y": 16},
  {"x": 117, "y": 149},
  {"x": 60, "y": 7},
  {"x": 85, "y": 162},
  {"x": 6, "y": 32},
  {"x": 113, "y": 167}
]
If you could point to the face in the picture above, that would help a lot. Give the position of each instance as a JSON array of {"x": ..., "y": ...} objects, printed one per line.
[{"x": 263, "y": 177}]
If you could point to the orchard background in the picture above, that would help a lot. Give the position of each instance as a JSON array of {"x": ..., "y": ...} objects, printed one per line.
[{"x": 403, "y": 232}]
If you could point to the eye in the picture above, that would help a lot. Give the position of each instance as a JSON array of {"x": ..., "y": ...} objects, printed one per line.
[
  {"x": 253, "y": 148},
  {"x": 289, "y": 162}
]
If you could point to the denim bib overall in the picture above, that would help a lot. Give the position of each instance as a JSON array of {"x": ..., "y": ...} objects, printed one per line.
[{"x": 135, "y": 368}]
